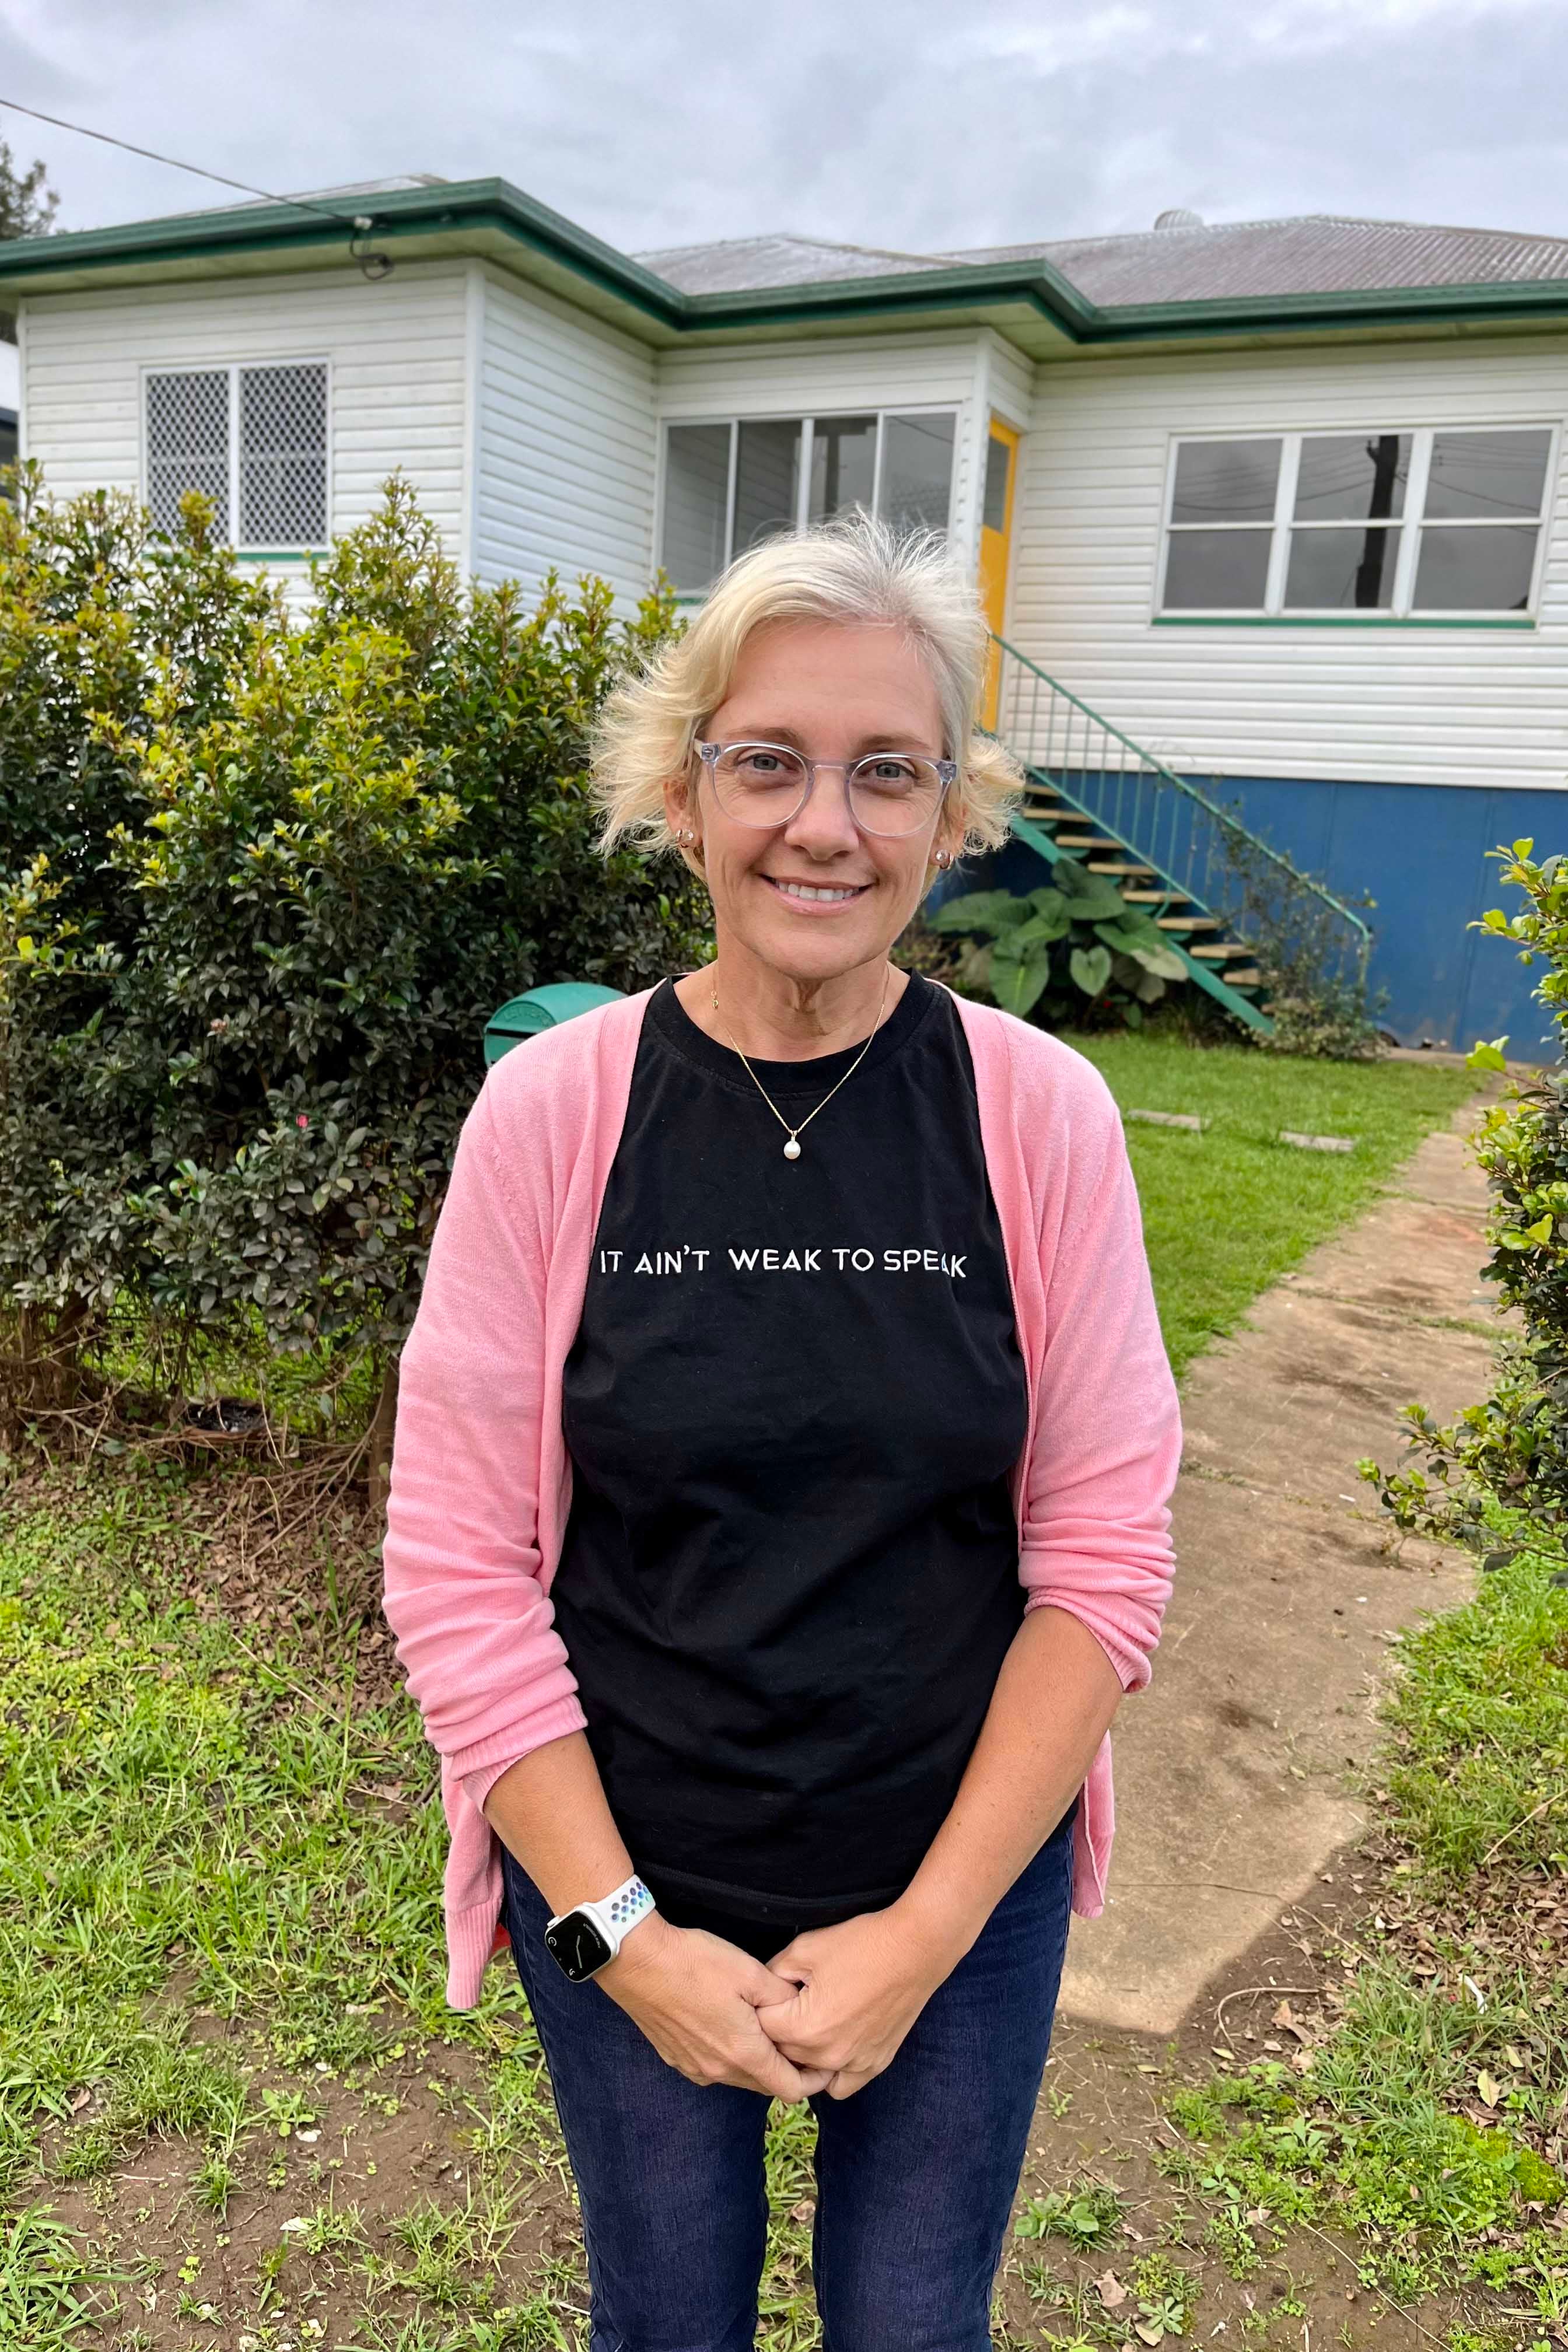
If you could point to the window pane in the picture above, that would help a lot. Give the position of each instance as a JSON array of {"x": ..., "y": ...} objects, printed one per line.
[
  {"x": 1359, "y": 477},
  {"x": 696, "y": 502},
  {"x": 1218, "y": 571},
  {"x": 1489, "y": 475},
  {"x": 1226, "y": 481},
  {"x": 283, "y": 456},
  {"x": 767, "y": 481},
  {"x": 998, "y": 464},
  {"x": 1475, "y": 571},
  {"x": 843, "y": 466},
  {"x": 1332, "y": 570},
  {"x": 187, "y": 444},
  {"x": 917, "y": 471}
]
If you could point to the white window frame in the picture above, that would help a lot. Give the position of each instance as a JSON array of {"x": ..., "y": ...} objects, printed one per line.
[
  {"x": 234, "y": 369},
  {"x": 1410, "y": 525},
  {"x": 806, "y": 422}
]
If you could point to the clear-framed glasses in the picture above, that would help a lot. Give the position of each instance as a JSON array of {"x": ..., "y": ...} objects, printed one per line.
[{"x": 769, "y": 785}]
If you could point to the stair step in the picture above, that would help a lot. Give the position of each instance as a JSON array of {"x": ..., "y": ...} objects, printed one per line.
[
  {"x": 1251, "y": 978},
  {"x": 1110, "y": 866},
  {"x": 1152, "y": 897},
  {"x": 1228, "y": 953},
  {"x": 1188, "y": 922},
  {"x": 1086, "y": 841}
]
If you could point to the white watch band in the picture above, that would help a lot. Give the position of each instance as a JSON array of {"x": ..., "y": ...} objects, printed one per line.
[{"x": 615, "y": 1915}]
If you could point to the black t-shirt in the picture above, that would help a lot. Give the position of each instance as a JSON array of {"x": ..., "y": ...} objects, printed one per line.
[{"x": 790, "y": 1571}]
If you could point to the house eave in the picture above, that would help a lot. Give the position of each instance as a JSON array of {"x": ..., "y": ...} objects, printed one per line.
[{"x": 1029, "y": 302}]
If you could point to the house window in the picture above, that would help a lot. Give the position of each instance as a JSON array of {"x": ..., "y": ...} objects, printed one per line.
[
  {"x": 728, "y": 487},
  {"x": 253, "y": 440},
  {"x": 1328, "y": 525}
]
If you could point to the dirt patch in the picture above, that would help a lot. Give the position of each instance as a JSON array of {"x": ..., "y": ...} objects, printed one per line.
[
  {"x": 377, "y": 2203},
  {"x": 1102, "y": 2117}
]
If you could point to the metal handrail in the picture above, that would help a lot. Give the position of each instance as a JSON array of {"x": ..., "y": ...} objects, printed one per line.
[{"x": 1197, "y": 850}]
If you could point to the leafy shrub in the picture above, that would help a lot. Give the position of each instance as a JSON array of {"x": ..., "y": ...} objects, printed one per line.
[
  {"x": 261, "y": 883},
  {"x": 1312, "y": 964},
  {"x": 1075, "y": 936},
  {"x": 1513, "y": 1447}
]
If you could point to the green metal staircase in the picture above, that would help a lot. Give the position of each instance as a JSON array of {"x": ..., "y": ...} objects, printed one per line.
[{"x": 1093, "y": 794}]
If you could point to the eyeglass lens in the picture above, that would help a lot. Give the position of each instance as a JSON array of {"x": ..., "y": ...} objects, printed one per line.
[{"x": 765, "y": 784}]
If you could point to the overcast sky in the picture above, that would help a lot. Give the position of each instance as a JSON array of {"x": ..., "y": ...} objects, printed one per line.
[{"x": 909, "y": 123}]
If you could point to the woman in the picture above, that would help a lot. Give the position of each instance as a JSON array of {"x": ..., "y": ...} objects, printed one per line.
[{"x": 778, "y": 1503}]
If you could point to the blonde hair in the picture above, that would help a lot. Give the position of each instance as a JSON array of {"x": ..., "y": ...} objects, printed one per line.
[{"x": 857, "y": 571}]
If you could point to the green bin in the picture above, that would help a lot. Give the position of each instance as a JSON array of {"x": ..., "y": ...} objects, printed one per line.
[{"x": 542, "y": 1008}]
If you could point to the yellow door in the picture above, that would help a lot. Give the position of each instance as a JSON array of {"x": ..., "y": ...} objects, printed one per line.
[{"x": 995, "y": 544}]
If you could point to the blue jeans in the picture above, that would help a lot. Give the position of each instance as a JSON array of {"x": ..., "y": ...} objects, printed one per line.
[{"x": 915, "y": 2174}]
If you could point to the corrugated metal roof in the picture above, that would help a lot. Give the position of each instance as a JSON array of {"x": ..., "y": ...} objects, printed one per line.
[
  {"x": 740, "y": 264},
  {"x": 1316, "y": 254}
]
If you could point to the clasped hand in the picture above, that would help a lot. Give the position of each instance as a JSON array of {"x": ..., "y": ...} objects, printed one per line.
[{"x": 827, "y": 2014}]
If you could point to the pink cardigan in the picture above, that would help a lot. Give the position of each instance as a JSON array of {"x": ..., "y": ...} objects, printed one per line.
[{"x": 481, "y": 1478}]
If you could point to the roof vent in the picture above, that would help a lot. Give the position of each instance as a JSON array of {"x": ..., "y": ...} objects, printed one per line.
[{"x": 1178, "y": 217}]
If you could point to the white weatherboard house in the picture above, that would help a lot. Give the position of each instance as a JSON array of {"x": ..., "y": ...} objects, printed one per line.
[{"x": 1269, "y": 515}]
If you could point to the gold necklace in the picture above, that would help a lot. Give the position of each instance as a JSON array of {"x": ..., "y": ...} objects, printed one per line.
[{"x": 791, "y": 1148}]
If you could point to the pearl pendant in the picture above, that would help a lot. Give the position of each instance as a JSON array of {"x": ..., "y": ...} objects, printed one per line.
[{"x": 792, "y": 1150}]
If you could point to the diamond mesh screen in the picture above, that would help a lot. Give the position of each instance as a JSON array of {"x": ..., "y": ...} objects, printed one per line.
[
  {"x": 187, "y": 444},
  {"x": 283, "y": 456}
]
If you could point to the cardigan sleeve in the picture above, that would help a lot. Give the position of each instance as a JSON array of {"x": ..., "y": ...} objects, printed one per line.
[
  {"x": 1095, "y": 1528},
  {"x": 476, "y": 1634}
]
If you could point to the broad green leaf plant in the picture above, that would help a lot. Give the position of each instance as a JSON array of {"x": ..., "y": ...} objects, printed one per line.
[{"x": 1076, "y": 932}]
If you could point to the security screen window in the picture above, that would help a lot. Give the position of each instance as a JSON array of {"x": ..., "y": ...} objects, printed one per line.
[
  {"x": 1390, "y": 523},
  {"x": 251, "y": 439},
  {"x": 729, "y": 485}
]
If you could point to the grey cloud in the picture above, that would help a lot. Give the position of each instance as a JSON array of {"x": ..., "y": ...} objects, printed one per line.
[{"x": 917, "y": 129}]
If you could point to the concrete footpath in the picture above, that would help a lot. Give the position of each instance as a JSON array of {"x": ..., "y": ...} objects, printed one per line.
[{"x": 1231, "y": 1770}]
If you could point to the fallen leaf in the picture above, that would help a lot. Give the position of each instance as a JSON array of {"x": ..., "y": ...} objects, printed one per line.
[
  {"x": 1148, "y": 2331},
  {"x": 1514, "y": 2057},
  {"x": 1111, "y": 2292},
  {"x": 79, "y": 2099},
  {"x": 1490, "y": 2087},
  {"x": 802, "y": 2212},
  {"x": 298, "y": 2222}
]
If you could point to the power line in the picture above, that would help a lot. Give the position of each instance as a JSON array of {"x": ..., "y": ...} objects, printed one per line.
[{"x": 373, "y": 265}]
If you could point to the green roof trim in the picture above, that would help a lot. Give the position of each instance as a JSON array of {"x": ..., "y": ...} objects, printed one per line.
[
  {"x": 464, "y": 209},
  {"x": 1341, "y": 621}
]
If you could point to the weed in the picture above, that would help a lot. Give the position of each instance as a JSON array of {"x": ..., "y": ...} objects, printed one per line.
[{"x": 1087, "y": 2217}]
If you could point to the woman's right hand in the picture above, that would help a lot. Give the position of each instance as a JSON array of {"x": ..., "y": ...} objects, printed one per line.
[{"x": 696, "y": 1998}]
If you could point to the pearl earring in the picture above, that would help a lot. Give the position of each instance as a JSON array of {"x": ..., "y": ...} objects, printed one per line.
[{"x": 944, "y": 860}]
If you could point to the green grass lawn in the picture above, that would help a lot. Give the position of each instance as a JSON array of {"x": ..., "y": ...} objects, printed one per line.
[
  {"x": 1227, "y": 1212},
  {"x": 233, "y": 2107}
]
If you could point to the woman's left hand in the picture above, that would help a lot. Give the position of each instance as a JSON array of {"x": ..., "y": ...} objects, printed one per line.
[{"x": 862, "y": 1986}]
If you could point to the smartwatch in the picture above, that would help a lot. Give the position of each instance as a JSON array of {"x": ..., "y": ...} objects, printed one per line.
[{"x": 586, "y": 1940}]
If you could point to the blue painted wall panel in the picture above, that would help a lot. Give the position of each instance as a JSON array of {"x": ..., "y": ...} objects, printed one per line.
[{"x": 1421, "y": 852}]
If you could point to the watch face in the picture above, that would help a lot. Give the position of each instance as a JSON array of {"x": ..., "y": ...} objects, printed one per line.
[{"x": 578, "y": 1944}]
